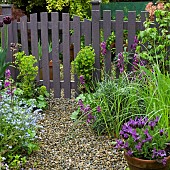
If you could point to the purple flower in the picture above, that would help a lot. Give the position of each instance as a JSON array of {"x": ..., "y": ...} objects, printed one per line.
[
  {"x": 7, "y": 74},
  {"x": 125, "y": 136},
  {"x": 161, "y": 153},
  {"x": 90, "y": 117},
  {"x": 80, "y": 103},
  {"x": 135, "y": 62},
  {"x": 126, "y": 146},
  {"x": 138, "y": 146},
  {"x": 161, "y": 132},
  {"x": 130, "y": 152},
  {"x": 7, "y": 83},
  {"x": 120, "y": 62},
  {"x": 157, "y": 119},
  {"x": 152, "y": 124},
  {"x": 136, "y": 41},
  {"x": 119, "y": 144},
  {"x": 103, "y": 48},
  {"x": 82, "y": 80},
  {"x": 7, "y": 20},
  {"x": 98, "y": 109},
  {"x": 164, "y": 161},
  {"x": 87, "y": 109}
]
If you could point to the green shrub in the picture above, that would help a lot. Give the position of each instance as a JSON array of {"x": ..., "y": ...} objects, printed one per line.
[
  {"x": 27, "y": 73},
  {"x": 84, "y": 63}
]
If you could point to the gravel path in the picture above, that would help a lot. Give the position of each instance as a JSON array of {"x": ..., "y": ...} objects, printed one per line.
[{"x": 68, "y": 147}]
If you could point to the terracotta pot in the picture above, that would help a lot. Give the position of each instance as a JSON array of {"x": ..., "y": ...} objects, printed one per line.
[
  {"x": 50, "y": 71},
  {"x": 141, "y": 164}
]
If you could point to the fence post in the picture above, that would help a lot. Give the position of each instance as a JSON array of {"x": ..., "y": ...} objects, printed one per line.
[
  {"x": 95, "y": 4},
  {"x": 6, "y": 9}
]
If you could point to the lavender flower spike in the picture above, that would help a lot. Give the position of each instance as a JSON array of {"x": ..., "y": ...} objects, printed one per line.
[
  {"x": 82, "y": 81},
  {"x": 7, "y": 74}
]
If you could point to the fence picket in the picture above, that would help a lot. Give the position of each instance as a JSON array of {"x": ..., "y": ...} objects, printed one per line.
[
  {"x": 131, "y": 34},
  {"x": 24, "y": 34},
  {"x": 96, "y": 42},
  {"x": 76, "y": 27},
  {"x": 15, "y": 41},
  {"x": 44, "y": 43},
  {"x": 55, "y": 55},
  {"x": 107, "y": 32},
  {"x": 34, "y": 40},
  {"x": 87, "y": 28},
  {"x": 87, "y": 31},
  {"x": 66, "y": 55}
]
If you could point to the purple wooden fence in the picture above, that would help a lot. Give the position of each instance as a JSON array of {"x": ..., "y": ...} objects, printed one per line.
[{"x": 28, "y": 32}]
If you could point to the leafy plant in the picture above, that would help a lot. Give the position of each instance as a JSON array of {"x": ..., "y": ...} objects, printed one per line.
[
  {"x": 144, "y": 138},
  {"x": 27, "y": 73},
  {"x": 76, "y": 7},
  {"x": 155, "y": 40},
  {"x": 3, "y": 51},
  {"x": 84, "y": 63},
  {"x": 18, "y": 126}
]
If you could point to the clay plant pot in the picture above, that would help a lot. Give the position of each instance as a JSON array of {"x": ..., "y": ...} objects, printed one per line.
[
  {"x": 50, "y": 71},
  {"x": 141, "y": 164}
]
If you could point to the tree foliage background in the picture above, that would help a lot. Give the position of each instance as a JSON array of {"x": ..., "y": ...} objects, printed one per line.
[{"x": 76, "y": 7}]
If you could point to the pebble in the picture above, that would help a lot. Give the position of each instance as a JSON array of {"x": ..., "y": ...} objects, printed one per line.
[{"x": 64, "y": 146}]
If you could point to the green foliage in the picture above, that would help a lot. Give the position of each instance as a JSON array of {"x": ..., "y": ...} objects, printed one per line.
[
  {"x": 76, "y": 7},
  {"x": 3, "y": 64},
  {"x": 3, "y": 54},
  {"x": 155, "y": 40},
  {"x": 40, "y": 48},
  {"x": 84, "y": 63},
  {"x": 27, "y": 73},
  {"x": 110, "y": 41},
  {"x": 156, "y": 94},
  {"x": 29, "y": 5},
  {"x": 17, "y": 131},
  {"x": 118, "y": 99}
]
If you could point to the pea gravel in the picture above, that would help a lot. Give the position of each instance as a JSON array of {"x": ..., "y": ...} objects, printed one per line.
[{"x": 64, "y": 146}]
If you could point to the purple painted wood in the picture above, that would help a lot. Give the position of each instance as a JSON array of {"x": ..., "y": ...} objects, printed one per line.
[
  {"x": 131, "y": 29},
  {"x": 131, "y": 34},
  {"x": 119, "y": 35},
  {"x": 119, "y": 31},
  {"x": 34, "y": 40},
  {"x": 96, "y": 42},
  {"x": 24, "y": 34},
  {"x": 9, "y": 52},
  {"x": 44, "y": 42},
  {"x": 66, "y": 55},
  {"x": 107, "y": 32},
  {"x": 15, "y": 41},
  {"x": 55, "y": 54},
  {"x": 87, "y": 31},
  {"x": 2, "y": 33},
  {"x": 76, "y": 27}
]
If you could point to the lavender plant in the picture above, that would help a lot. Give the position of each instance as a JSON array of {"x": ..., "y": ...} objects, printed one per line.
[
  {"x": 144, "y": 138},
  {"x": 18, "y": 127}
]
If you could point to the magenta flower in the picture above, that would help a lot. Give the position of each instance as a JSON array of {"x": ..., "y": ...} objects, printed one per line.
[
  {"x": 120, "y": 62},
  {"x": 98, "y": 109},
  {"x": 90, "y": 118},
  {"x": 7, "y": 84},
  {"x": 7, "y": 20},
  {"x": 103, "y": 48},
  {"x": 7, "y": 74},
  {"x": 82, "y": 80}
]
